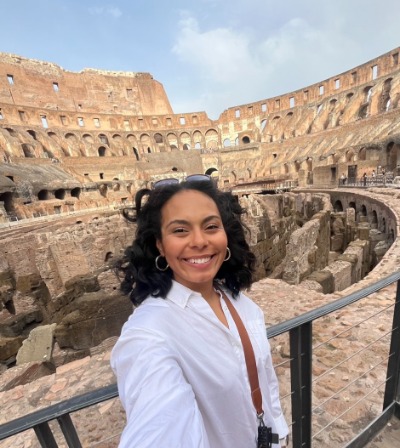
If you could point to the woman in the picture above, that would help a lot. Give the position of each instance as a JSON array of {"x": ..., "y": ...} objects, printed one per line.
[{"x": 179, "y": 362}]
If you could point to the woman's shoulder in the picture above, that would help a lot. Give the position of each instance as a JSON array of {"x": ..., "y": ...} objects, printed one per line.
[{"x": 149, "y": 314}]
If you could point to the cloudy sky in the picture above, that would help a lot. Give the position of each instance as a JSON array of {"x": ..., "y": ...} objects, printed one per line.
[{"x": 208, "y": 54}]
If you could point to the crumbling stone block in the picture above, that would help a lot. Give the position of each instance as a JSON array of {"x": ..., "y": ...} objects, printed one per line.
[
  {"x": 324, "y": 278},
  {"x": 38, "y": 346}
]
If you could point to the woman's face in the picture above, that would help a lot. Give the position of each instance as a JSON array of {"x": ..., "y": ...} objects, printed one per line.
[{"x": 193, "y": 239}]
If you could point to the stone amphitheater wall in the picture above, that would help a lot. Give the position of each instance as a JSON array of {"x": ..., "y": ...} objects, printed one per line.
[{"x": 74, "y": 142}]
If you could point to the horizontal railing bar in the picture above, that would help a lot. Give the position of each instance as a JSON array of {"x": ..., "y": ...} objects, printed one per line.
[
  {"x": 56, "y": 410},
  {"x": 276, "y": 330}
]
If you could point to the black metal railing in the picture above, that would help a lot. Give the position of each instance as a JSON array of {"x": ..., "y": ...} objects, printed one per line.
[
  {"x": 300, "y": 332},
  {"x": 368, "y": 182}
]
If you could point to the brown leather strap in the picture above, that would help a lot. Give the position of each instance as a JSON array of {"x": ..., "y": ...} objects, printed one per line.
[{"x": 248, "y": 356}]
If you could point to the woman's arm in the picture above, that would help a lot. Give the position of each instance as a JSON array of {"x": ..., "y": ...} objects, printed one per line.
[
  {"x": 160, "y": 405},
  {"x": 273, "y": 386}
]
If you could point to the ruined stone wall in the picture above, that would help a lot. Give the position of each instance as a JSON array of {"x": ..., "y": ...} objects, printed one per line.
[
  {"x": 45, "y": 86},
  {"x": 57, "y": 273},
  {"x": 347, "y": 121},
  {"x": 280, "y": 234}
]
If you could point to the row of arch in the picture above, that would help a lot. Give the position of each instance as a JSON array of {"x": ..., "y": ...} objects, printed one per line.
[{"x": 375, "y": 219}]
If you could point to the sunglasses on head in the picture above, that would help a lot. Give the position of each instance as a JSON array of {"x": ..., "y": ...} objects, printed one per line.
[{"x": 190, "y": 178}]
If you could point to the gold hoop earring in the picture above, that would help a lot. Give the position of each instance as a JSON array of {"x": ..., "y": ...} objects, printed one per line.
[
  {"x": 157, "y": 266},
  {"x": 228, "y": 254}
]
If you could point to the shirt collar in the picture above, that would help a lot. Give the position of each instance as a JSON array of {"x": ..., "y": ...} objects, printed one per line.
[{"x": 180, "y": 294}]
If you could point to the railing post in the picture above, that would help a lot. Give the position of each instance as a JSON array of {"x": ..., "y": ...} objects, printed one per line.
[
  {"x": 45, "y": 435},
  {"x": 69, "y": 431},
  {"x": 392, "y": 389},
  {"x": 301, "y": 372}
]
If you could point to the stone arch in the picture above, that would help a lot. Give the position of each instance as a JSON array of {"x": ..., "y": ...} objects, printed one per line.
[
  {"x": 350, "y": 155},
  {"x": 352, "y": 204},
  {"x": 145, "y": 142},
  {"x": 158, "y": 138},
  {"x": 117, "y": 138},
  {"x": 245, "y": 139},
  {"x": 118, "y": 141},
  {"x": 391, "y": 156},
  {"x": 32, "y": 133},
  {"x": 104, "y": 139},
  {"x": 363, "y": 111},
  {"x": 338, "y": 206},
  {"x": 198, "y": 139},
  {"x": 88, "y": 138},
  {"x": 211, "y": 138},
  {"x": 374, "y": 220},
  {"x": 332, "y": 104},
  {"x": 76, "y": 192},
  {"x": 29, "y": 150},
  {"x": 212, "y": 171},
  {"x": 185, "y": 140},
  {"x": 132, "y": 139},
  {"x": 383, "y": 225},
  {"x": 103, "y": 190},
  {"x": 53, "y": 136},
  {"x": 102, "y": 151},
  {"x": 263, "y": 124},
  {"x": 172, "y": 140},
  {"x": 60, "y": 193},
  {"x": 43, "y": 195},
  {"x": 362, "y": 154},
  {"x": 227, "y": 142},
  {"x": 363, "y": 210},
  {"x": 11, "y": 132},
  {"x": 71, "y": 137},
  {"x": 384, "y": 100},
  {"x": 367, "y": 94},
  {"x": 7, "y": 199}
]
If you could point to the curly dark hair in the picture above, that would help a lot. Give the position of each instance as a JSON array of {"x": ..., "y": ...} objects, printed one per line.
[{"x": 141, "y": 278}]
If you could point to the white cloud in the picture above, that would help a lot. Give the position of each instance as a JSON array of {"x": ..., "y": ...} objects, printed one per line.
[
  {"x": 236, "y": 65},
  {"x": 106, "y": 11}
]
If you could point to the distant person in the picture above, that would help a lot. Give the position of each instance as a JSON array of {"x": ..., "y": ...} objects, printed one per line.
[
  {"x": 365, "y": 179},
  {"x": 373, "y": 173},
  {"x": 180, "y": 363}
]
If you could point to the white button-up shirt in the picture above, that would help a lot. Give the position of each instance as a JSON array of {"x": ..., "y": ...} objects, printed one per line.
[{"x": 182, "y": 376}]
